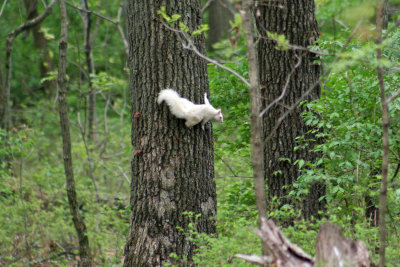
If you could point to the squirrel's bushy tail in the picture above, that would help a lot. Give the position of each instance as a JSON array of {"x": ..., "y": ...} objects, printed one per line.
[
  {"x": 167, "y": 95},
  {"x": 177, "y": 105}
]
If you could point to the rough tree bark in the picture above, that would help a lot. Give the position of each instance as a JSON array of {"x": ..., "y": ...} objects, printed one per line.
[
  {"x": 80, "y": 227},
  {"x": 47, "y": 64},
  {"x": 172, "y": 166},
  {"x": 292, "y": 72}
]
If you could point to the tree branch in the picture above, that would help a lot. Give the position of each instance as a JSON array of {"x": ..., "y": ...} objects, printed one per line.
[
  {"x": 188, "y": 44},
  {"x": 91, "y": 12},
  {"x": 284, "y": 88},
  {"x": 2, "y": 8},
  {"x": 116, "y": 22},
  {"x": 121, "y": 31},
  {"x": 392, "y": 97},
  {"x": 206, "y": 5},
  {"x": 9, "y": 42}
]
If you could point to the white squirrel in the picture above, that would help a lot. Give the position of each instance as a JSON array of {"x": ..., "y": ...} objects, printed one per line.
[{"x": 184, "y": 109}]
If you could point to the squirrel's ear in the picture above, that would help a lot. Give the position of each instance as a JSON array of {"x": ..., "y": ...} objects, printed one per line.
[{"x": 219, "y": 111}]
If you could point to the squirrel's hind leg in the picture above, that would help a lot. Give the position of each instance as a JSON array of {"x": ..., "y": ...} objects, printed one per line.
[
  {"x": 192, "y": 121},
  {"x": 203, "y": 123}
]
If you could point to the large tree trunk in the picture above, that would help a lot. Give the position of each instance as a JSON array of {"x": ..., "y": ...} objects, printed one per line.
[
  {"x": 80, "y": 227},
  {"x": 296, "y": 20},
  {"x": 172, "y": 166}
]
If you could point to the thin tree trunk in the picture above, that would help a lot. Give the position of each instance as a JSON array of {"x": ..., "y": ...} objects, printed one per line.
[
  {"x": 80, "y": 227},
  {"x": 87, "y": 25},
  {"x": 2, "y": 94},
  {"x": 47, "y": 64},
  {"x": 87, "y": 22},
  {"x": 385, "y": 136},
  {"x": 287, "y": 75},
  {"x": 256, "y": 126},
  {"x": 172, "y": 166}
]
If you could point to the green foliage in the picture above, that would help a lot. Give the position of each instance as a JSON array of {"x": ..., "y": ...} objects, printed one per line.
[
  {"x": 36, "y": 216},
  {"x": 280, "y": 39},
  {"x": 348, "y": 117},
  {"x": 175, "y": 22},
  {"x": 219, "y": 250},
  {"x": 36, "y": 222}
]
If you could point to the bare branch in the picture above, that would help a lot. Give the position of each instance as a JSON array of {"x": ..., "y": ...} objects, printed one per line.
[
  {"x": 91, "y": 12},
  {"x": 31, "y": 23},
  {"x": 284, "y": 88},
  {"x": 2, "y": 8},
  {"x": 260, "y": 260},
  {"x": 121, "y": 31},
  {"x": 392, "y": 97},
  {"x": 206, "y": 5},
  {"x": 188, "y": 44},
  {"x": 297, "y": 47},
  {"x": 9, "y": 42},
  {"x": 115, "y": 22},
  {"x": 290, "y": 109}
]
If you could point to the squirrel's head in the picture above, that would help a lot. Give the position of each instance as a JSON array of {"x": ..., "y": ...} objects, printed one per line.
[{"x": 218, "y": 116}]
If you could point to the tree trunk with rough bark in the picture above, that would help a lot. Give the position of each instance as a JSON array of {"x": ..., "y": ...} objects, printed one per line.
[
  {"x": 290, "y": 73},
  {"x": 80, "y": 227},
  {"x": 172, "y": 166}
]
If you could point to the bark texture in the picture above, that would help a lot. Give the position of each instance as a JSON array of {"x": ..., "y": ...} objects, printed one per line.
[
  {"x": 333, "y": 249},
  {"x": 172, "y": 166},
  {"x": 296, "y": 72},
  {"x": 80, "y": 227}
]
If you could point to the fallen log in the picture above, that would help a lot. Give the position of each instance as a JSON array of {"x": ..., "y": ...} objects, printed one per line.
[{"x": 332, "y": 249}]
